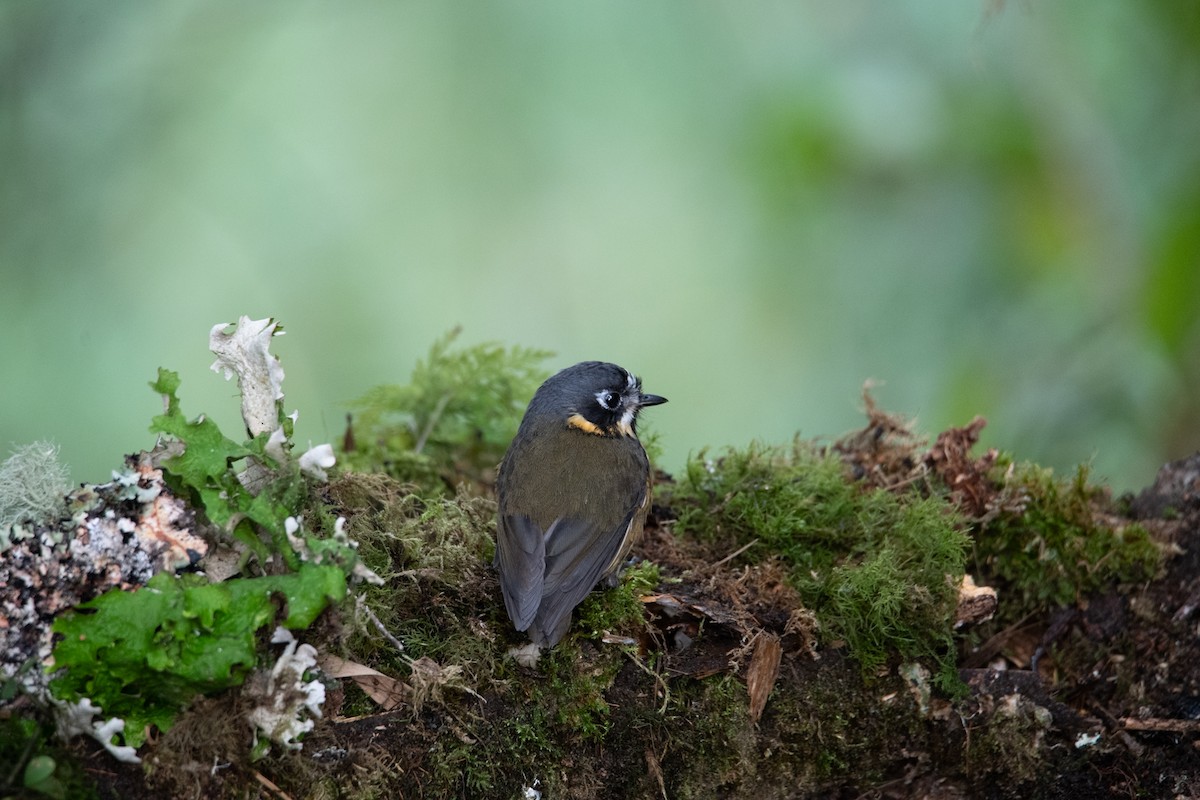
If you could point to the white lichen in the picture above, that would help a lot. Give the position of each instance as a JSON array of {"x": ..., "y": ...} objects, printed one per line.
[
  {"x": 316, "y": 460},
  {"x": 244, "y": 352},
  {"x": 277, "y": 445},
  {"x": 360, "y": 571},
  {"x": 291, "y": 527},
  {"x": 33, "y": 484},
  {"x": 77, "y": 719},
  {"x": 287, "y": 705}
]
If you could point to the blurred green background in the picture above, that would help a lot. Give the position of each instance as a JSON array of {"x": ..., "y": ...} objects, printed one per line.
[{"x": 990, "y": 208}]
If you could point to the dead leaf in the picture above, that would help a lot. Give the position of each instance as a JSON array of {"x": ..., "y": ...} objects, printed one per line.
[
  {"x": 388, "y": 692},
  {"x": 675, "y": 607},
  {"x": 762, "y": 672},
  {"x": 969, "y": 479}
]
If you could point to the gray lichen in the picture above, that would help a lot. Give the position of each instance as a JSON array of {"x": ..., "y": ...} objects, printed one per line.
[{"x": 33, "y": 483}]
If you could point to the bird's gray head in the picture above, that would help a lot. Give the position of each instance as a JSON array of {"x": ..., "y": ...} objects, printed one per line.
[{"x": 595, "y": 397}]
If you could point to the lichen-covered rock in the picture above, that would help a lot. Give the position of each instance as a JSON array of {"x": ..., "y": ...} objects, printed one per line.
[{"x": 116, "y": 534}]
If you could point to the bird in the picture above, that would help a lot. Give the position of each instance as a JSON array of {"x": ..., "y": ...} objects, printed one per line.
[{"x": 573, "y": 491}]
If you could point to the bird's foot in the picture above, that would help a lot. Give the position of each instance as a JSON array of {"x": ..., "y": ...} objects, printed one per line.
[{"x": 526, "y": 656}]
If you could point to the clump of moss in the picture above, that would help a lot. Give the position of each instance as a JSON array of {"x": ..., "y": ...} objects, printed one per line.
[
  {"x": 452, "y": 422},
  {"x": 879, "y": 568},
  {"x": 618, "y": 610},
  {"x": 574, "y": 688},
  {"x": 718, "y": 754},
  {"x": 433, "y": 555},
  {"x": 1010, "y": 746},
  {"x": 816, "y": 730},
  {"x": 1059, "y": 543}
]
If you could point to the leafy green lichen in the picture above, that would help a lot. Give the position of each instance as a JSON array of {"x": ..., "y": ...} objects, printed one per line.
[
  {"x": 144, "y": 655},
  {"x": 208, "y": 468}
]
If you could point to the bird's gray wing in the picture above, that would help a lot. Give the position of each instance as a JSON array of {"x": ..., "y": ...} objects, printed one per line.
[
  {"x": 521, "y": 559},
  {"x": 577, "y": 552}
]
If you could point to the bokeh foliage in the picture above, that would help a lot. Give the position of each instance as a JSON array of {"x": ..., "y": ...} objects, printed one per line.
[{"x": 990, "y": 206}]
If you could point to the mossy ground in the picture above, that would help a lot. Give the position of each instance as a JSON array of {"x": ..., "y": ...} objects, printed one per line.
[
  {"x": 879, "y": 569},
  {"x": 846, "y": 556},
  {"x": 1061, "y": 542}
]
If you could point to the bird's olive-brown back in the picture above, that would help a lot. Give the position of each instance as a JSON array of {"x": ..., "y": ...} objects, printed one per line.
[{"x": 573, "y": 474}]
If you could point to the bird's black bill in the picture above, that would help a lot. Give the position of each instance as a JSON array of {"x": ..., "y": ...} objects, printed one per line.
[{"x": 651, "y": 400}]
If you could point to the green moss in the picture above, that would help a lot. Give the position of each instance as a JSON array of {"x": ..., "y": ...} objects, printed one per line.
[
  {"x": 454, "y": 419},
  {"x": 518, "y": 745},
  {"x": 439, "y": 596},
  {"x": 709, "y": 740},
  {"x": 797, "y": 503},
  {"x": 575, "y": 688},
  {"x": 816, "y": 731},
  {"x": 457, "y": 765},
  {"x": 618, "y": 610},
  {"x": 831, "y": 724},
  {"x": 1010, "y": 745},
  {"x": 33, "y": 761},
  {"x": 536, "y": 726},
  {"x": 879, "y": 569},
  {"x": 726, "y": 740},
  {"x": 1058, "y": 543}
]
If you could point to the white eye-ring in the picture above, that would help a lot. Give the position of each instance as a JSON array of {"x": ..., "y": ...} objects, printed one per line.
[{"x": 608, "y": 400}]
